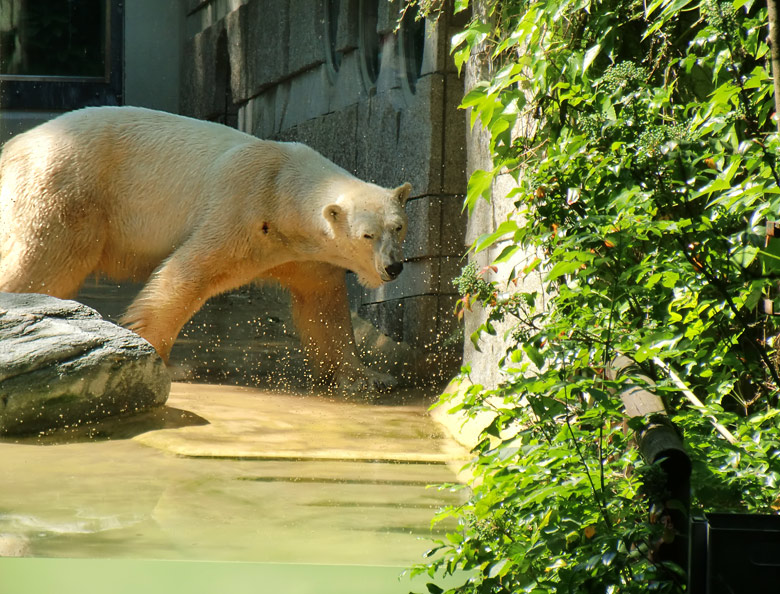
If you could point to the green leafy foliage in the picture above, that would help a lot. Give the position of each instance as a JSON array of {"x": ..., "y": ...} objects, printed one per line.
[{"x": 643, "y": 188}]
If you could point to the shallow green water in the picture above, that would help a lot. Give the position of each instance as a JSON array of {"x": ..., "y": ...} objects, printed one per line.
[
  {"x": 303, "y": 515},
  {"x": 232, "y": 490},
  {"x": 123, "y": 499},
  {"x": 26, "y": 576}
]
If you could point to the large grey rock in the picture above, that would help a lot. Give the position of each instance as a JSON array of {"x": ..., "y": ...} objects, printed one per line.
[{"x": 61, "y": 364}]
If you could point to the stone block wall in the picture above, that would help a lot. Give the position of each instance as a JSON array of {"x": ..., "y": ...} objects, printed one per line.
[
  {"x": 485, "y": 219},
  {"x": 378, "y": 99}
]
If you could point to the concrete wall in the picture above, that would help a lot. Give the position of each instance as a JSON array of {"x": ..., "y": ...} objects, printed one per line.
[
  {"x": 301, "y": 70},
  {"x": 485, "y": 218},
  {"x": 154, "y": 31}
]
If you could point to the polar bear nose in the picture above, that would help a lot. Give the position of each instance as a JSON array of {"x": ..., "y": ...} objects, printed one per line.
[{"x": 394, "y": 269}]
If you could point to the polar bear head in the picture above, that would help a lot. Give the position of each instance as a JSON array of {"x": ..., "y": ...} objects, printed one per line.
[{"x": 368, "y": 225}]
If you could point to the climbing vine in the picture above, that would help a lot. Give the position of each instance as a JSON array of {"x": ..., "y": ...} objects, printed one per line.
[{"x": 641, "y": 142}]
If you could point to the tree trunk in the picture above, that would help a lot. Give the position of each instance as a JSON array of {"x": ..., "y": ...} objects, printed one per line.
[{"x": 774, "y": 48}]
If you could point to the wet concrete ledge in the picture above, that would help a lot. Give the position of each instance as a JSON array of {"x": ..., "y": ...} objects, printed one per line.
[{"x": 246, "y": 423}]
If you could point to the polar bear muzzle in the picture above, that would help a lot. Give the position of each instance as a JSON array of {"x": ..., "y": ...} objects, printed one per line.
[{"x": 394, "y": 270}]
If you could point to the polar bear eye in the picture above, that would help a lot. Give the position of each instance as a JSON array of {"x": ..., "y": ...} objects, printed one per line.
[{"x": 368, "y": 236}]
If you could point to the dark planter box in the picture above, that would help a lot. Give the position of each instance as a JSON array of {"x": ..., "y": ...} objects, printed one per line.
[{"x": 735, "y": 554}]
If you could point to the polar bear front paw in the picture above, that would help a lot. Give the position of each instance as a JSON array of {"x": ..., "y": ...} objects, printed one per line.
[{"x": 356, "y": 379}]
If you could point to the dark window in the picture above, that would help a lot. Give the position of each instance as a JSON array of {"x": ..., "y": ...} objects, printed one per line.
[
  {"x": 332, "y": 56},
  {"x": 60, "y": 54},
  {"x": 370, "y": 46},
  {"x": 412, "y": 45}
]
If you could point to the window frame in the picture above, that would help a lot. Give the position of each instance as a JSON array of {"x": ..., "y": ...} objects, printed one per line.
[{"x": 62, "y": 93}]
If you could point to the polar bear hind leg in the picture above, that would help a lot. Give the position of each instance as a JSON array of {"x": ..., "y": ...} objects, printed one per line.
[{"x": 57, "y": 268}]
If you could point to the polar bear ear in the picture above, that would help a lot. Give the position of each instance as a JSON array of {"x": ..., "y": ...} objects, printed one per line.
[
  {"x": 335, "y": 216},
  {"x": 402, "y": 193}
]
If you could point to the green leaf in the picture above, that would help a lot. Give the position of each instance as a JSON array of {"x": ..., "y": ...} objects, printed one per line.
[
  {"x": 744, "y": 255},
  {"x": 534, "y": 354},
  {"x": 590, "y": 55},
  {"x": 563, "y": 268},
  {"x": 670, "y": 9},
  {"x": 479, "y": 186},
  {"x": 460, "y": 6},
  {"x": 653, "y": 279},
  {"x": 751, "y": 301},
  {"x": 475, "y": 96},
  {"x": 497, "y": 569},
  {"x": 670, "y": 279},
  {"x": 532, "y": 266},
  {"x": 475, "y": 340},
  {"x": 487, "y": 240},
  {"x": 475, "y": 34},
  {"x": 770, "y": 256},
  {"x": 507, "y": 254}
]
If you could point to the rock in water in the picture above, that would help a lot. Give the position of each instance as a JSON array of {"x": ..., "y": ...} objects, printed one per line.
[{"x": 61, "y": 364}]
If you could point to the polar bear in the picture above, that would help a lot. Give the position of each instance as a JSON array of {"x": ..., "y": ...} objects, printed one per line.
[{"x": 196, "y": 208}]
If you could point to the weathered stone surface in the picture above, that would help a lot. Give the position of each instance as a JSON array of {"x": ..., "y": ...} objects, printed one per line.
[
  {"x": 266, "y": 30},
  {"x": 436, "y": 50},
  {"x": 235, "y": 24},
  {"x": 193, "y": 5},
  {"x": 454, "y": 178},
  {"x": 390, "y": 69},
  {"x": 259, "y": 114},
  {"x": 386, "y": 353},
  {"x": 347, "y": 28},
  {"x": 420, "y": 134},
  {"x": 199, "y": 93},
  {"x": 397, "y": 145},
  {"x": 454, "y": 220},
  {"x": 307, "y": 35},
  {"x": 437, "y": 56},
  {"x": 388, "y": 14},
  {"x": 234, "y": 38},
  {"x": 348, "y": 88},
  {"x": 62, "y": 364},
  {"x": 424, "y": 324},
  {"x": 387, "y": 317},
  {"x": 423, "y": 312},
  {"x": 332, "y": 135},
  {"x": 441, "y": 335},
  {"x": 436, "y": 227},
  {"x": 312, "y": 91}
]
